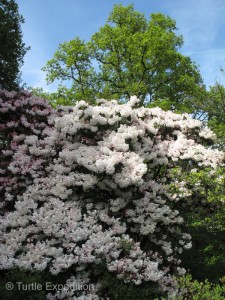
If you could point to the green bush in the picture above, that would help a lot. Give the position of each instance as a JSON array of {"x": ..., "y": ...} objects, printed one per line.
[{"x": 197, "y": 290}]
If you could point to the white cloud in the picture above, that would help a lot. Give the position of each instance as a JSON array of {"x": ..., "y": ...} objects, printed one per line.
[
  {"x": 36, "y": 78},
  {"x": 198, "y": 21}
]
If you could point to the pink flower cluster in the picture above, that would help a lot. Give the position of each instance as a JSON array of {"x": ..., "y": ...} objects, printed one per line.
[
  {"x": 95, "y": 192},
  {"x": 22, "y": 117},
  {"x": 24, "y": 120}
]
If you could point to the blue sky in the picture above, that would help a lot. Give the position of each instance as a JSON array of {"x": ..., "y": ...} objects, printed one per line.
[{"x": 50, "y": 22}]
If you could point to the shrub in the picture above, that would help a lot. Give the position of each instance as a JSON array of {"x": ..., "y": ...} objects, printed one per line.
[
  {"x": 102, "y": 199},
  {"x": 197, "y": 290},
  {"x": 22, "y": 117},
  {"x": 203, "y": 208}
]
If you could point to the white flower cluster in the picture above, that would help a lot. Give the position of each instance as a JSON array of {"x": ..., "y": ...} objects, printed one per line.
[{"x": 102, "y": 196}]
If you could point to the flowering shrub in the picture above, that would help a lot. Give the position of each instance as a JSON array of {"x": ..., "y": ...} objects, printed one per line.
[
  {"x": 24, "y": 119},
  {"x": 102, "y": 199}
]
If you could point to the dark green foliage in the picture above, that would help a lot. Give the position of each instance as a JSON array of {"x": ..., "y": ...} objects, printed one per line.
[
  {"x": 204, "y": 215},
  {"x": 116, "y": 289},
  {"x": 26, "y": 277},
  {"x": 206, "y": 258},
  {"x": 12, "y": 48}
]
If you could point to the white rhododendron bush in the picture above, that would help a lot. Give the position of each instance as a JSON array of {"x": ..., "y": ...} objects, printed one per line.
[{"x": 98, "y": 196}]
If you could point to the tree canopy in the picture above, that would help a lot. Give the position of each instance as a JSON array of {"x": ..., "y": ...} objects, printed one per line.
[
  {"x": 215, "y": 108},
  {"x": 12, "y": 48},
  {"x": 129, "y": 55}
]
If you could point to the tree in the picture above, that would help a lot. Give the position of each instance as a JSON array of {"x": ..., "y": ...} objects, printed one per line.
[
  {"x": 214, "y": 107},
  {"x": 12, "y": 48},
  {"x": 62, "y": 97},
  {"x": 130, "y": 56},
  {"x": 211, "y": 110}
]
